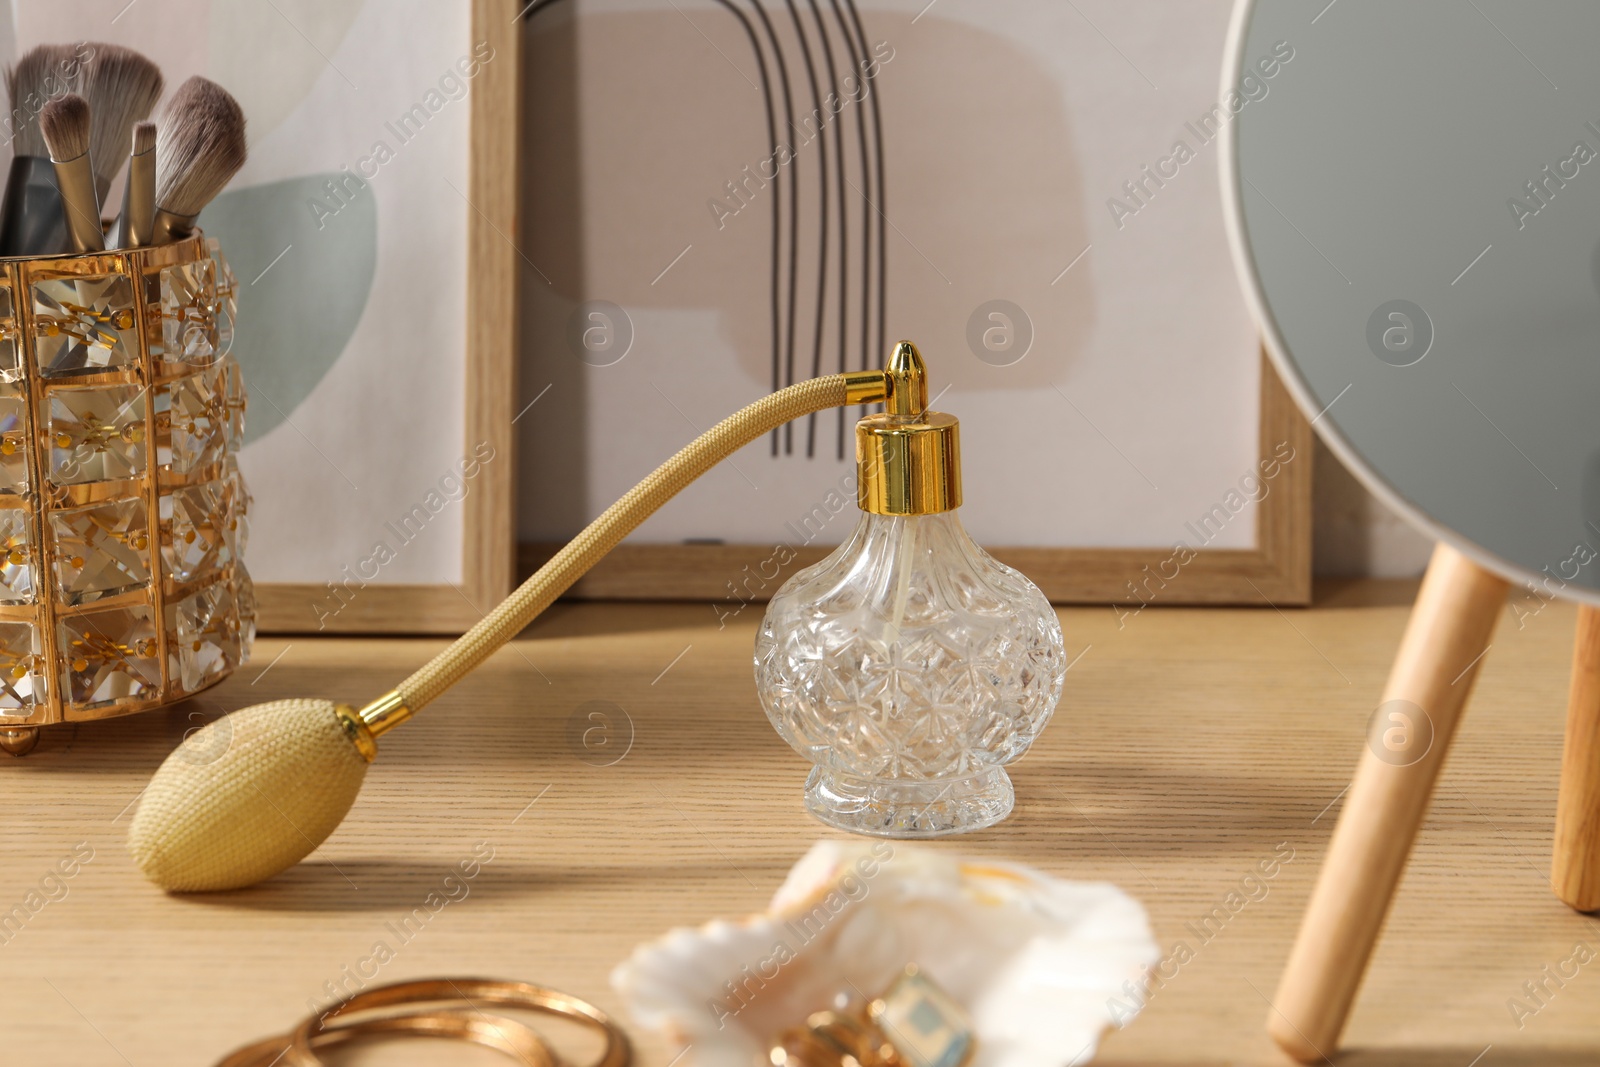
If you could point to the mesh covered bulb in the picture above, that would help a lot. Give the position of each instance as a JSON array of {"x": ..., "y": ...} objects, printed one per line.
[{"x": 247, "y": 796}]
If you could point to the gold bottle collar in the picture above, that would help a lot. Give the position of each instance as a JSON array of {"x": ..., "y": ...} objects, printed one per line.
[{"x": 909, "y": 458}]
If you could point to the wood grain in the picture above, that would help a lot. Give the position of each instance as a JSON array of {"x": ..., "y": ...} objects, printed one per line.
[
  {"x": 493, "y": 267},
  {"x": 294, "y": 608},
  {"x": 1276, "y": 571},
  {"x": 1575, "y": 866},
  {"x": 1444, "y": 646},
  {"x": 1190, "y": 744}
]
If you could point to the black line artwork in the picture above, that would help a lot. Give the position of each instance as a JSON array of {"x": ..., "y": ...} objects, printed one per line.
[
  {"x": 865, "y": 71},
  {"x": 844, "y": 222},
  {"x": 783, "y": 358},
  {"x": 869, "y": 72},
  {"x": 845, "y": 34},
  {"x": 817, "y": 109}
]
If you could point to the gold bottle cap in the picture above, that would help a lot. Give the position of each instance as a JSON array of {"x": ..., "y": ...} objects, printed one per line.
[{"x": 909, "y": 458}]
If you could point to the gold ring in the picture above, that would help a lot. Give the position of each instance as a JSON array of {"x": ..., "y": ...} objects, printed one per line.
[{"x": 912, "y": 1022}]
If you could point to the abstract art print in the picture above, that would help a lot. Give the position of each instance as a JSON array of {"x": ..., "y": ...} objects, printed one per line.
[{"x": 721, "y": 198}]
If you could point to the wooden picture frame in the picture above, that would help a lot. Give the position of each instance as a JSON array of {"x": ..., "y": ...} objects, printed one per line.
[
  {"x": 488, "y": 552},
  {"x": 1277, "y": 571}
]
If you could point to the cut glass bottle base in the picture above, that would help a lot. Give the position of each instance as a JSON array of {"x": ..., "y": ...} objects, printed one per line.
[{"x": 909, "y": 808}]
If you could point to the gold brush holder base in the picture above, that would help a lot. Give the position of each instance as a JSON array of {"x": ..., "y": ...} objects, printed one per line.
[{"x": 122, "y": 513}]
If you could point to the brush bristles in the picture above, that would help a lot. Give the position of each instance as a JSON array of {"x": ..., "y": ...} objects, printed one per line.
[
  {"x": 201, "y": 146},
  {"x": 65, "y": 126},
  {"x": 43, "y": 73},
  {"x": 144, "y": 137},
  {"x": 122, "y": 87}
]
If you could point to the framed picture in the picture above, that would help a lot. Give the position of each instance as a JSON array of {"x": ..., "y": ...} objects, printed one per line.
[
  {"x": 369, "y": 233},
  {"x": 717, "y": 203}
]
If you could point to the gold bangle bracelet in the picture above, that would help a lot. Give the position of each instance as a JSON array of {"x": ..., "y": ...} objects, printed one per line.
[
  {"x": 475, "y": 992},
  {"x": 516, "y": 1040},
  {"x": 462, "y": 1022}
]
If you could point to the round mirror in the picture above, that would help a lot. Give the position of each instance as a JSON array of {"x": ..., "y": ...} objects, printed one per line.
[{"x": 1414, "y": 203}]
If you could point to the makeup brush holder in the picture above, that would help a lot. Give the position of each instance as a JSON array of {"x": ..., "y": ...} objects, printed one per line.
[{"x": 122, "y": 513}]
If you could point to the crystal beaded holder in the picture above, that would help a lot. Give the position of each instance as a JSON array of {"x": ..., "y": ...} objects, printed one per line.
[{"x": 122, "y": 513}]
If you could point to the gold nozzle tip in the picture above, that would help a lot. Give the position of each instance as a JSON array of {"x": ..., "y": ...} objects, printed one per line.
[
  {"x": 905, "y": 354},
  {"x": 908, "y": 381}
]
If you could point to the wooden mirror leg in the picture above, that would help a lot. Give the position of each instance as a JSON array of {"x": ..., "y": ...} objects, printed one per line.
[
  {"x": 1449, "y": 630},
  {"x": 1575, "y": 871}
]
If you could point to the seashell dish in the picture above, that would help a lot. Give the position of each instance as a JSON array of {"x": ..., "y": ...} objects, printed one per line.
[{"x": 1037, "y": 962}]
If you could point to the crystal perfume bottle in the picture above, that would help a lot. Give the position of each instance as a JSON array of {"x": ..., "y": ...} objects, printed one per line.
[{"x": 909, "y": 665}]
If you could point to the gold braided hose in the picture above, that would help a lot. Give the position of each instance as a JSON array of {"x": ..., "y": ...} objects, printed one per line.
[{"x": 291, "y": 769}]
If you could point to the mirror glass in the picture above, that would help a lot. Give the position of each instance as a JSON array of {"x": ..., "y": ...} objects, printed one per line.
[{"x": 1415, "y": 207}]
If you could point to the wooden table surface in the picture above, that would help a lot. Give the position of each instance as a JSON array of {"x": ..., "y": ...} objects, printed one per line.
[{"x": 1189, "y": 745}]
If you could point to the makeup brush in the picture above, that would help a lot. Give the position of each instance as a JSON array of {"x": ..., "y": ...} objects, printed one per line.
[
  {"x": 136, "y": 225},
  {"x": 31, "y": 218},
  {"x": 65, "y": 124},
  {"x": 201, "y": 145},
  {"x": 122, "y": 88}
]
